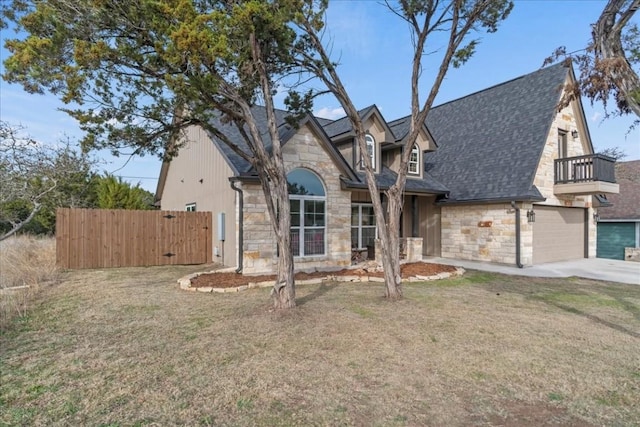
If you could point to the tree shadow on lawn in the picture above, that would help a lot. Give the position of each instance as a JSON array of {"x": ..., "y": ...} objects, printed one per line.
[
  {"x": 561, "y": 293},
  {"x": 320, "y": 291}
]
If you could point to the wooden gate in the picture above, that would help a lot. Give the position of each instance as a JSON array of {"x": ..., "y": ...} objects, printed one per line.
[{"x": 101, "y": 238}]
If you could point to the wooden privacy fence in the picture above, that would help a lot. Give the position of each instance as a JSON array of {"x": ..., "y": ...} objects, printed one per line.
[{"x": 101, "y": 238}]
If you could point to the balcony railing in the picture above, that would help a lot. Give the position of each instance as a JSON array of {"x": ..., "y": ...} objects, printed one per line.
[{"x": 582, "y": 169}]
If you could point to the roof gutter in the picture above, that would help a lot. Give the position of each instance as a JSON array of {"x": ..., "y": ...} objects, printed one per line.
[
  {"x": 517, "y": 209},
  {"x": 349, "y": 185},
  {"x": 453, "y": 202},
  {"x": 240, "y": 223}
]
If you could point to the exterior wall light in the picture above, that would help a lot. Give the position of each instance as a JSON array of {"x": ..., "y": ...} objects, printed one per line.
[
  {"x": 596, "y": 217},
  {"x": 574, "y": 134},
  {"x": 531, "y": 216}
]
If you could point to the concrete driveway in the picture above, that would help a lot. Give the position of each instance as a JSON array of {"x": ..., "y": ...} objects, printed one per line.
[{"x": 591, "y": 268}]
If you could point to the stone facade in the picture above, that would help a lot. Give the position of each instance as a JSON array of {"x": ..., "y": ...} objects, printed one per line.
[
  {"x": 565, "y": 121},
  {"x": 259, "y": 244},
  {"x": 486, "y": 233},
  {"x": 632, "y": 254},
  {"x": 411, "y": 246}
]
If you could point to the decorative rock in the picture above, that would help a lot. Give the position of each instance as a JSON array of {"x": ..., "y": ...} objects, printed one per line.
[
  {"x": 185, "y": 282},
  {"x": 267, "y": 284},
  {"x": 348, "y": 278},
  {"x": 314, "y": 281}
]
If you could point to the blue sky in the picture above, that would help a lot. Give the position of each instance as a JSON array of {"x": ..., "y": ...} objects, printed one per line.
[{"x": 374, "y": 51}]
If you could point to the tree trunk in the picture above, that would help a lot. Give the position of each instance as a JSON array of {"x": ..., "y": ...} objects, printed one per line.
[
  {"x": 390, "y": 242},
  {"x": 283, "y": 292}
]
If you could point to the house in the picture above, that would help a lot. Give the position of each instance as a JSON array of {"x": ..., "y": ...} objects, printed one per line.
[
  {"x": 499, "y": 175},
  {"x": 619, "y": 225}
]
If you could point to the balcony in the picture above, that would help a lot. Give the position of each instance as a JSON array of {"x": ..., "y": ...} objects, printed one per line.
[{"x": 590, "y": 174}]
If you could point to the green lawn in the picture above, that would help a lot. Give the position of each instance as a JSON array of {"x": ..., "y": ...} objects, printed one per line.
[{"x": 126, "y": 347}]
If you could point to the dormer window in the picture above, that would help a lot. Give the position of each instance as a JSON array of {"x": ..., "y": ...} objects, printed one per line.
[
  {"x": 371, "y": 149},
  {"x": 414, "y": 161}
]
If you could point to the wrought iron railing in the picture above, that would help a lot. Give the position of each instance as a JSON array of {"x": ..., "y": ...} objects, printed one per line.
[{"x": 589, "y": 168}]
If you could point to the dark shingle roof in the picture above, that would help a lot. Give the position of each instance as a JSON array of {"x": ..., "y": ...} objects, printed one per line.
[
  {"x": 236, "y": 162},
  {"x": 400, "y": 127},
  {"x": 626, "y": 204},
  {"x": 387, "y": 178},
  {"x": 343, "y": 125},
  {"x": 490, "y": 142}
]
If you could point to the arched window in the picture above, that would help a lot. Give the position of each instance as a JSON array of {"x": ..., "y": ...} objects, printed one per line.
[
  {"x": 307, "y": 199},
  {"x": 371, "y": 149},
  {"x": 414, "y": 160}
]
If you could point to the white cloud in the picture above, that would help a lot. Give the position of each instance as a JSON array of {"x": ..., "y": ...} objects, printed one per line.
[
  {"x": 596, "y": 116},
  {"x": 329, "y": 113}
]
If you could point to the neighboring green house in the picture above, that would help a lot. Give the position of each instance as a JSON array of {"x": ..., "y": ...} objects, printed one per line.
[
  {"x": 499, "y": 176},
  {"x": 619, "y": 225}
]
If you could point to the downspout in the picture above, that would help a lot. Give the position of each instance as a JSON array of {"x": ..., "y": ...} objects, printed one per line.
[
  {"x": 517, "y": 209},
  {"x": 240, "y": 224}
]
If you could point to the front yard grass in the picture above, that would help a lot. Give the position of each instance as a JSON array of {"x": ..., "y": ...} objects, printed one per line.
[{"x": 126, "y": 347}]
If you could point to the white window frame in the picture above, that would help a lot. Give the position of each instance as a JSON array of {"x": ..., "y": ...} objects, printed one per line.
[
  {"x": 303, "y": 227},
  {"x": 307, "y": 227},
  {"x": 190, "y": 207},
  {"x": 415, "y": 150},
  {"x": 370, "y": 141},
  {"x": 359, "y": 227}
]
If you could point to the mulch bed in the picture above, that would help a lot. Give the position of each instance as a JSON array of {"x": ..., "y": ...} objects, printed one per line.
[{"x": 232, "y": 280}]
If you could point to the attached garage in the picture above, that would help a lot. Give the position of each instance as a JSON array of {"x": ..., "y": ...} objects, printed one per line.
[
  {"x": 614, "y": 237},
  {"x": 558, "y": 234}
]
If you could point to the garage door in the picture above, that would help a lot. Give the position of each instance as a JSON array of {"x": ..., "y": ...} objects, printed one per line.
[
  {"x": 613, "y": 237},
  {"x": 558, "y": 234}
]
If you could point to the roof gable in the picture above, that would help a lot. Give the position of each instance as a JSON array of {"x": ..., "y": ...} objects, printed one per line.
[
  {"x": 240, "y": 166},
  {"x": 324, "y": 141},
  {"x": 401, "y": 128},
  {"x": 341, "y": 128},
  {"x": 490, "y": 142}
]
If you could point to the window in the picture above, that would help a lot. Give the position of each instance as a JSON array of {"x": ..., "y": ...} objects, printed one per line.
[
  {"x": 562, "y": 144},
  {"x": 562, "y": 154},
  {"x": 371, "y": 149},
  {"x": 363, "y": 225},
  {"x": 414, "y": 160},
  {"x": 308, "y": 213},
  {"x": 190, "y": 207}
]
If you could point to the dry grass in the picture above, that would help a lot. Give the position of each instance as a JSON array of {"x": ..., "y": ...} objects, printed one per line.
[
  {"x": 26, "y": 263},
  {"x": 126, "y": 347}
]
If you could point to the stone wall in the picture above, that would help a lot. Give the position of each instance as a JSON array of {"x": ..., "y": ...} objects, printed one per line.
[
  {"x": 632, "y": 254},
  {"x": 565, "y": 120},
  {"x": 303, "y": 150},
  {"x": 486, "y": 233},
  {"x": 410, "y": 249}
]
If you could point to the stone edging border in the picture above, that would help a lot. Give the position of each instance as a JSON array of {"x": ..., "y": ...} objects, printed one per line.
[{"x": 185, "y": 282}]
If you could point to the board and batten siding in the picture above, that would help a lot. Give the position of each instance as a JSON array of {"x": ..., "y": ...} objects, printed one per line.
[{"x": 200, "y": 174}]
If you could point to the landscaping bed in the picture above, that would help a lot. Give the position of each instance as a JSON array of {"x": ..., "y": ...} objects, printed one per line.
[{"x": 223, "y": 280}]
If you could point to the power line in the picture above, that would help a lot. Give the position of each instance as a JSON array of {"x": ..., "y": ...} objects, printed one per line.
[{"x": 136, "y": 177}]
